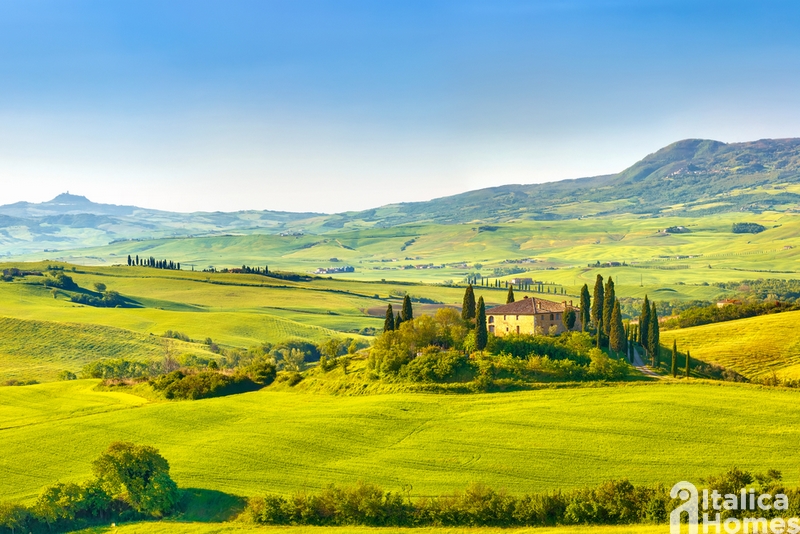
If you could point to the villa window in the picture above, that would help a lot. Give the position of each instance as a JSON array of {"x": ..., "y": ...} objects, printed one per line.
[
  {"x": 551, "y": 316},
  {"x": 491, "y": 318},
  {"x": 491, "y": 329}
]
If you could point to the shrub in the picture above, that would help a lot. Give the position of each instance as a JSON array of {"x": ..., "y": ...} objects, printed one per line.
[
  {"x": 202, "y": 385},
  {"x": 61, "y": 281},
  {"x": 435, "y": 366}
]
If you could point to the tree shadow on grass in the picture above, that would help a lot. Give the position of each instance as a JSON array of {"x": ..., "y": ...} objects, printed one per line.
[{"x": 208, "y": 506}]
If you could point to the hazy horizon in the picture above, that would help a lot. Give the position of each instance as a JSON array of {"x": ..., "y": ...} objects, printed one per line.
[{"x": 310, "y": 106}]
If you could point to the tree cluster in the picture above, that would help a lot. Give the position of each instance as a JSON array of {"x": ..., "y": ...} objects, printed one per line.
[
  {"x": 130, "y": 482},
  {"x": 747, "y": 228}
]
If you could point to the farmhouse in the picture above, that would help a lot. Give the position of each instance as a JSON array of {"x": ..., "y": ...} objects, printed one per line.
[{"x": 529, "y": 316}]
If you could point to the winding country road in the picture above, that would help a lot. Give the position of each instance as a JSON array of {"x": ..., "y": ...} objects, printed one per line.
[{"x": 639, "y": 364}]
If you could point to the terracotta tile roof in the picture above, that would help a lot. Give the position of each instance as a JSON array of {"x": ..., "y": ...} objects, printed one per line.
[{"x": 529, "y": 306}]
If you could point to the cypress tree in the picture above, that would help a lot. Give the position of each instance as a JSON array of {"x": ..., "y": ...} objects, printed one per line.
[
  {"x": 597, "y": 303},
  {"x": 687, "y": 363},
  {"x": 674, "y": 358},
  {"x": 137, "y": 259},
  {"x": 481, "y": 335},
  {"x": 599, "y": 332},
  {"x": 129, "y": 260},
  {"x": 398, "y": 320},
  {"x": 468, "y": 305},
  {"x": 630, "y": 350},
  {"x": 407, "y": 313},
  {"x": 609, "y": 299},
  {"x": 510, "y": 296},
  {"x": 653, "y": 336},
  {"x": 388, "y": 322},
  {"x": 616, "y": 336},
  {"x": 644, "y": 324},
  {"x": 586, "y": 312}
]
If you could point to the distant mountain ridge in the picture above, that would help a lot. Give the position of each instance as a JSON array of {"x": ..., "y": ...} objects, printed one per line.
[
  {"x": 697, "y": 175},
  {"x": 689, "y": 172}
]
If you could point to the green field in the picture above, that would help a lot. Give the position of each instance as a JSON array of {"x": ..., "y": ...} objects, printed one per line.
[
  {"x": 754, "y": 347},
  {"x": 285, "y": 441},
  {"x": 654, "y": 258}
]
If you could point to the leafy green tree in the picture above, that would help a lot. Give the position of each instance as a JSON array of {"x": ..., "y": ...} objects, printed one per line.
[
  {"x": 59, "y": 501},
  {"x": 674, "y": 358},
  {"x": 388, "y": 322},
  {"x": 99, "y": 287},
  {"x": 510, "y": 295},
  {"x": 568, "y": 318},
  {"x": 616, "y": 334},
  {"x": 139, "y": 475},
  {"x": 609, "y": 299},
  {"x": 13, "y": 517},
  {"x": 468, "y": 305},
  {"x": 586, "y": 312},
  {"x": 653, "y": 336},
  {"x": 481, "y": 335},
  {"x": 408, "y": 312},
  {"x": 597, "y": 303}
]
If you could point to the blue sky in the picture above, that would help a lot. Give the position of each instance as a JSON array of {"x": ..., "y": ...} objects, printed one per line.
[{"x": 338, "y": 105}]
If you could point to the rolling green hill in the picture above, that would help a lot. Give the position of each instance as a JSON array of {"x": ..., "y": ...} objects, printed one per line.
[
  {"x": 754, "y": 347},
  {"x": 284, "y": 441}
]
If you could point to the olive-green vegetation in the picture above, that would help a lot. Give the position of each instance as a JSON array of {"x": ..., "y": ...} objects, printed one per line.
[
  {"x": 168, "y": 527},
  {"x": 280, "y": 440}
]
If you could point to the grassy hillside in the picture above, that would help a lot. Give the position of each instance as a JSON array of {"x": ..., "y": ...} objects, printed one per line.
[
  {"x": 282, "y": 441},
  {"x": 41, "y": 349},
  {"x": 754, "y": 347}
]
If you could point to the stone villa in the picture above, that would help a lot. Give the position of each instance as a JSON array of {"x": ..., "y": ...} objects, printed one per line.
[{"x": 529, "y": 316}]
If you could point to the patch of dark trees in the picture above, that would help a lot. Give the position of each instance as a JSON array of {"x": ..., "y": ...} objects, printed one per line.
[
  {"x": 10, "y": 274},
  {"x": 747, "y": 228}
]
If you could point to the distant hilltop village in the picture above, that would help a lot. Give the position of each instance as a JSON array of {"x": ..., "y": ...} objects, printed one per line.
[{"x": 335, "y": 270}]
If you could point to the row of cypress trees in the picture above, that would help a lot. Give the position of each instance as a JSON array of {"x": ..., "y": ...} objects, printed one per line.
[
  {"x": 152, "y": 262},
  {"x": 604, "y": 312}
]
